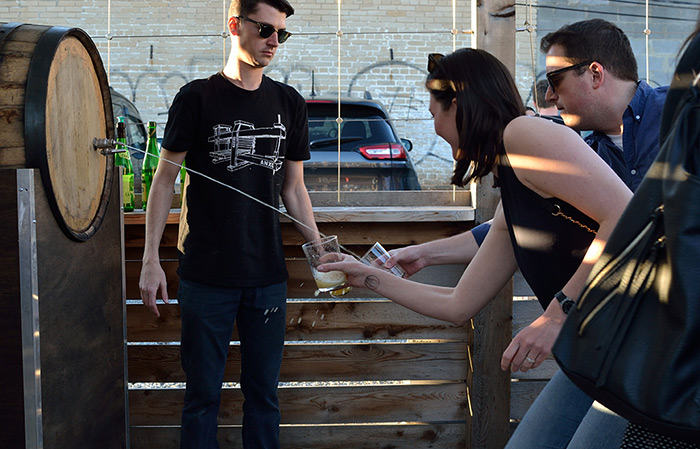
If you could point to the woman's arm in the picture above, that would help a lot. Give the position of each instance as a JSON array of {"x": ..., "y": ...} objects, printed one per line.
[
  {"x": 493, "y": 266},
  {"x": 460, "y": 248}
]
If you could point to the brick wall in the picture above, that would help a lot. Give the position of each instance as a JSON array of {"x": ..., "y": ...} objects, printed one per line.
[{"x": 157, "y": 46}]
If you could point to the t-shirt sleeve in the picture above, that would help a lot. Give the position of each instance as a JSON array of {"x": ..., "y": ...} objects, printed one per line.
[
  {"x": 298, "y": 145},
  {"x": 180, "y": 130}
]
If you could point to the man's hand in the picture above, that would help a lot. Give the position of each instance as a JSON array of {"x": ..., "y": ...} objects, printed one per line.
[
  {"x": 151, "y": 280},
  {"x": 533, "y": 344}
]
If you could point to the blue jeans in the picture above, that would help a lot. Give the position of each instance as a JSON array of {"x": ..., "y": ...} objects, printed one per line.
[
  {"x": 563, "y": 417},
  {"x": 208, "y": 315}
]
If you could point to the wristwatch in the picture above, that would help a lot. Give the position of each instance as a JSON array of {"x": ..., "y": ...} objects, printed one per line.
[{"x": 565, "y": 302}]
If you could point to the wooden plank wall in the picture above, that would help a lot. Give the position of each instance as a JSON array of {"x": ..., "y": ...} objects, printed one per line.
[
  {"x": 358, "y": 368},
  {"x": 525, "y": 387}
]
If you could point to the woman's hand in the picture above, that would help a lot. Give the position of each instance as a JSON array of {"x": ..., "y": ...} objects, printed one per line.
[
  {"x": 533, "y": 344},
  {"x": 356, "y": 271}
]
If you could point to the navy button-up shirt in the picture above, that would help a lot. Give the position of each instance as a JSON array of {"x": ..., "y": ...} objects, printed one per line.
[{"x": 640, "y": 137}]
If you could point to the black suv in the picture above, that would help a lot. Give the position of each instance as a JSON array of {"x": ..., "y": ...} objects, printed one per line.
[{"x": 372, "y": 157}]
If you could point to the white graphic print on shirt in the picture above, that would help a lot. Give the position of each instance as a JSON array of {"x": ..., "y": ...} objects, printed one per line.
[{"x": 236, "y": 145}]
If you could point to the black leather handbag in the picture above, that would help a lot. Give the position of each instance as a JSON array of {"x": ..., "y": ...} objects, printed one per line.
[{"x": 632, "y": 342}]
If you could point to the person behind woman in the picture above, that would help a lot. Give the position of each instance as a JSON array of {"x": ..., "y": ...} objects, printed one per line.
[
  {"x": 543, "y": 106},
  {"x": 560, "y": 202}
]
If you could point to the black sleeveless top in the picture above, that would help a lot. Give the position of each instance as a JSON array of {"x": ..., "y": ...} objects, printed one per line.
[{"x": 548, "y": 247}]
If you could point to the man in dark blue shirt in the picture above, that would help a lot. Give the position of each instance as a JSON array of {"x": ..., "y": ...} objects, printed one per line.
[{"x": 640, "y": 137}]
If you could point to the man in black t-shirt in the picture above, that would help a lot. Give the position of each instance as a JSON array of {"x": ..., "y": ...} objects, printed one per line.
[{"x": 238, "y": 129}]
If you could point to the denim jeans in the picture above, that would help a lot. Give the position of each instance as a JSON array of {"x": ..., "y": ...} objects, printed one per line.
[
  {"x": 208, "y": 315},
  {"x": 563, "y": 417}
]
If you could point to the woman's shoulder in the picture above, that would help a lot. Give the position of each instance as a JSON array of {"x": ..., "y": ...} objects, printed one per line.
[
  {"x": 525, "y": 122},
  {"x": 531, "y": 132}
]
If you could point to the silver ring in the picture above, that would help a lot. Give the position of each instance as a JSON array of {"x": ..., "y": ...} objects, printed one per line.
[{"x": 530, "y": 360}]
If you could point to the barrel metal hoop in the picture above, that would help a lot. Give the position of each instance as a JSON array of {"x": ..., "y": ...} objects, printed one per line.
[
  {"x": 36, "y": 97},
  {"x": 7, "y": 29}
]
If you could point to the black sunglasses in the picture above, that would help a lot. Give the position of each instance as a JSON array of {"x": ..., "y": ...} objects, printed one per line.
[
  {"x": 433, "y": 59},
  {"x": 265, "y": 30},
  {"x": 551, "y": 76}
]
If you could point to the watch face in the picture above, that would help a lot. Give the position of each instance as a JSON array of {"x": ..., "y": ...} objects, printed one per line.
[{"x": 567, "y": 305}]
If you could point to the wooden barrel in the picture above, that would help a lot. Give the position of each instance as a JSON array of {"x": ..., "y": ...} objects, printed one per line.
[{"x": 54, "y": 100}]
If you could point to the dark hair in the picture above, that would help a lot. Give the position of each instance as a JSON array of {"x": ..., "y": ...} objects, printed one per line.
[
  {"x": 540, "y": 93},
  {"x": 245, "y": 7},
  {"x": 487, "y": 100},
  {"x": 595, "y": 40}
]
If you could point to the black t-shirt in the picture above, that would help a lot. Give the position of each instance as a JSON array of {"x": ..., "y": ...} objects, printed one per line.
[{"x": 239, "y": 138}]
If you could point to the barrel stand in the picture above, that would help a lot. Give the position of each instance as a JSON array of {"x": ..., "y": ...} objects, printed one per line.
[{"x": 62, "y": 325}]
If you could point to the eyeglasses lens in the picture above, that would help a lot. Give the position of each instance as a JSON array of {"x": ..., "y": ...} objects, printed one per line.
[
  {"x": 552, "y": 81},
  {"x": 265, "y": 31},
  {"x": 554, "y": 77},
  {"x": 283, "y": 35}
]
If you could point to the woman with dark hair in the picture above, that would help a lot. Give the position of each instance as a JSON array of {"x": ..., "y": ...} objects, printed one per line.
[{"x": 559, "y": 204}]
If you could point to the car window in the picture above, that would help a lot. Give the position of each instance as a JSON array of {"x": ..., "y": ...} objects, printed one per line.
[
  {"x": 322, "y": 128},
  {"x": 323, "y": 132},
  {"x": 379, "y": 130},
  {"x": 135, "y": 134},
  {"x": 361, "y": 124}
]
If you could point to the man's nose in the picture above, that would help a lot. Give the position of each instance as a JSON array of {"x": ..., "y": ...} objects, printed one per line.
[{"x": 550, "y": 96}]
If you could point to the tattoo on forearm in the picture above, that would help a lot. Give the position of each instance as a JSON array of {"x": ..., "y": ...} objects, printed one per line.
[{"x": 371, "y": 282}]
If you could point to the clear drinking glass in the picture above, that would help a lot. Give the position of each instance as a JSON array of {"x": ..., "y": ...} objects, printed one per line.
[
  {"x": 326, "y": 250},
  {"x": 377, "y": 257}
]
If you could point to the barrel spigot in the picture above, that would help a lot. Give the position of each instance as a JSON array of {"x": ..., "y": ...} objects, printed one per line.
[{"x": 107, "y": 146}]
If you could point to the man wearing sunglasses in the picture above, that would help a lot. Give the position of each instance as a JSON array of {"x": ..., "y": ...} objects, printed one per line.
[
  {"x": 246, "y": 131},
  {"x": 593, "y": 80}
]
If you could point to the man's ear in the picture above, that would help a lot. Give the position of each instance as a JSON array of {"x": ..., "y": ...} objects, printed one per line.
[
  {"x": 598, "y": 72},
  {"x": 233, "y": 23}
]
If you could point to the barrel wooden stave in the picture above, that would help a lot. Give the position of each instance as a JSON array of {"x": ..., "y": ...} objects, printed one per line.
[
  {"x": 15, "y": 57},
  {"x": 54, "y": 130}
]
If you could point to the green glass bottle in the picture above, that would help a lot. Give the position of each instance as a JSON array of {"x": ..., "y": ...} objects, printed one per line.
[
  {"x": 183, "y": 174},
  {"x": 124, "y": 160},
  {"x": 150, "y": 163}
]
